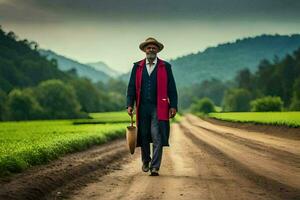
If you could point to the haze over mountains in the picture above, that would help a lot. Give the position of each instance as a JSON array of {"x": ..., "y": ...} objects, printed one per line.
[
  {"x": 82, "y": 70},
  {"x": 101, "y": 66},
  {"x": 224, "y": 60}
]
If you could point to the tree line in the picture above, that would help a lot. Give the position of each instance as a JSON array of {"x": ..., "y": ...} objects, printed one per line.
[{"x": 275, "y": 86}]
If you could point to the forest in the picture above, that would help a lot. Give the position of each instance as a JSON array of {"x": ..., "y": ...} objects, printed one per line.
[
  {"x": 32, "y": 87},
  {"x": 276, "y": 82}
]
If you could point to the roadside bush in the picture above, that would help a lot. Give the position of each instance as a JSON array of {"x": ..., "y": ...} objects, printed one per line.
[
  {"x": 205, "y": 105},
  {"x": 237, "y": 100},
  {"x": 267, "y": 103}
]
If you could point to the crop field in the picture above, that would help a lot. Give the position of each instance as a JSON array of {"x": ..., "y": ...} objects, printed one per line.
[
  {"x": 113, "y": 117},
  {"x": 290, "y": 119},
  {"x": 27, "y": 143},
  {"x": 105, "y": 118}
]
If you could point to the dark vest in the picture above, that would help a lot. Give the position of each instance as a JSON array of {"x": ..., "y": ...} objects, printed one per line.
[{"x": 149, "y": 86}]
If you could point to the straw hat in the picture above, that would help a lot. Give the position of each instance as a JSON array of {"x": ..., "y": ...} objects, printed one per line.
[{"x": 151, "y": 40}]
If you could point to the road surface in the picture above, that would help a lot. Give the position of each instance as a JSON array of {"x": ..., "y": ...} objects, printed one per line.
[{"x": 207, "y": 161}]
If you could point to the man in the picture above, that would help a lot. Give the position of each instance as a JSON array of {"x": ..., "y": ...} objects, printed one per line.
[{"x": 152, "y": 88}]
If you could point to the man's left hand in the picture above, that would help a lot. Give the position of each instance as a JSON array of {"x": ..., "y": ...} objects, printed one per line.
[{"x": 172, "y": 112}]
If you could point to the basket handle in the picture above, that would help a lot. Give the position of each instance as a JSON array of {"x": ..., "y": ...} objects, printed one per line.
[{"x": 131, "y": 121}]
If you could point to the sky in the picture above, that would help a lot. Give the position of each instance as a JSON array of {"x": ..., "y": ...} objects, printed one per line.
[{"x": 111, "y": 30}]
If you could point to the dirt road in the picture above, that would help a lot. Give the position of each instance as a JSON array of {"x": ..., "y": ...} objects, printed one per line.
[{"x": 205, "y": 161}]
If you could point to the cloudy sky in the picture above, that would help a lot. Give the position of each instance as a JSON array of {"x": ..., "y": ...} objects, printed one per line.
[{"x": 111, "y": 30}]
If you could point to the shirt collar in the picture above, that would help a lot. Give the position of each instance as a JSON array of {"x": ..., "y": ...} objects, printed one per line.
[{"x": 154, "y": 62}]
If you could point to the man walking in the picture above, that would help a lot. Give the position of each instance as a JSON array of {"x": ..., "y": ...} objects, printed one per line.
[{"x": 152, "y": 87}]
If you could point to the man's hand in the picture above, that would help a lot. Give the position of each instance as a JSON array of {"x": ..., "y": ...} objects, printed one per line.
[
  {"x": 130, "y": 111},
  {"x": 172, "y": 112}
]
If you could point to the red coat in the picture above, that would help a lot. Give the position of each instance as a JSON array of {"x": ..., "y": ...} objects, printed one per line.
[{"x": 162, "y": 89}]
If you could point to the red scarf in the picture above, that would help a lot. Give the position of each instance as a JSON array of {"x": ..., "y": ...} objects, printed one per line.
[{"x": 162, "y": 86}]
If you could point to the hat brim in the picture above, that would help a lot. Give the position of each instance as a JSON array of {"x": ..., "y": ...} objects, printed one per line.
[{"x": 158, "y": 44}]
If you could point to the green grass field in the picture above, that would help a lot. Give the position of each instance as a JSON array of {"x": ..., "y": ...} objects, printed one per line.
[
  {"x": 110, "y": 117},
  {"x": 113, "y": 117},
  {"x": 27, "y": 143},
  {"x": 290, "y": 119}
]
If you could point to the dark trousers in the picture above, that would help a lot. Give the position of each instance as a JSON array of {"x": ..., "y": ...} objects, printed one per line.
[{"x": 148, "y": 124}]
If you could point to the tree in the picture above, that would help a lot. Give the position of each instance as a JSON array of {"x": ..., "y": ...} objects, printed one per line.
[
  {"x": 116, "y": 85},
  {"x": 117, "y": 101},
  {"x": 87, "y": 95},
  {"x": 3, "y": 98},
  {"x": 12, "y": 35},
  {"x": 287, "y": 72},
  {"x": 244, "y": 79},
  {"x": 277, "y": 79},
  {"x": 236, "y": 99},
  {"x": 22, "y": 106},
  {"x": 263, "y": 74},
  {"x": 205, "y": 105},
  {"x": 213, "y": 89},
  {"x": 58, "y": 99},
  {"x": 295, "y": 103}
]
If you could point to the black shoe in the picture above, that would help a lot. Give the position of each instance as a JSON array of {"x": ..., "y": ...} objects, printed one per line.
[
  {"x": 154, "y": 172},
  {"x": 145, "y": 167}
]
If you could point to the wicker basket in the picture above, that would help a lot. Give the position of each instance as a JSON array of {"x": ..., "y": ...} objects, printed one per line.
[{"x": 131, "y": 136}]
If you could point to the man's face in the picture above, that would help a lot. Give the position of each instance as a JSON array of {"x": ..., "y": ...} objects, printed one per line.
[{"x": 151, "y": 51}]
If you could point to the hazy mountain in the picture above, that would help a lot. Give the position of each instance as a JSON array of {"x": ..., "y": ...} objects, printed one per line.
[
  {"x": 101, "y": 66},
  {"x": 224, "y": 60},
  {"x": 82, "y": 70}
]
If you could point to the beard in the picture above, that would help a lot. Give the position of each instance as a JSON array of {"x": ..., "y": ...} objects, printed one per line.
[{"x": 151, "y": 55}]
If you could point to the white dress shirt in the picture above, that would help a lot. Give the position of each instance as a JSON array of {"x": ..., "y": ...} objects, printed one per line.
[{"x": 150, "y": 68}]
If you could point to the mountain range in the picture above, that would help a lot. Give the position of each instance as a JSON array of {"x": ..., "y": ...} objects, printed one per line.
[
  {"x": 101, "y": 66},
  {"x": 83, "y": 70},
  {"x": 221, "y": 62},
  {"x": 225, "y": 60}
]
